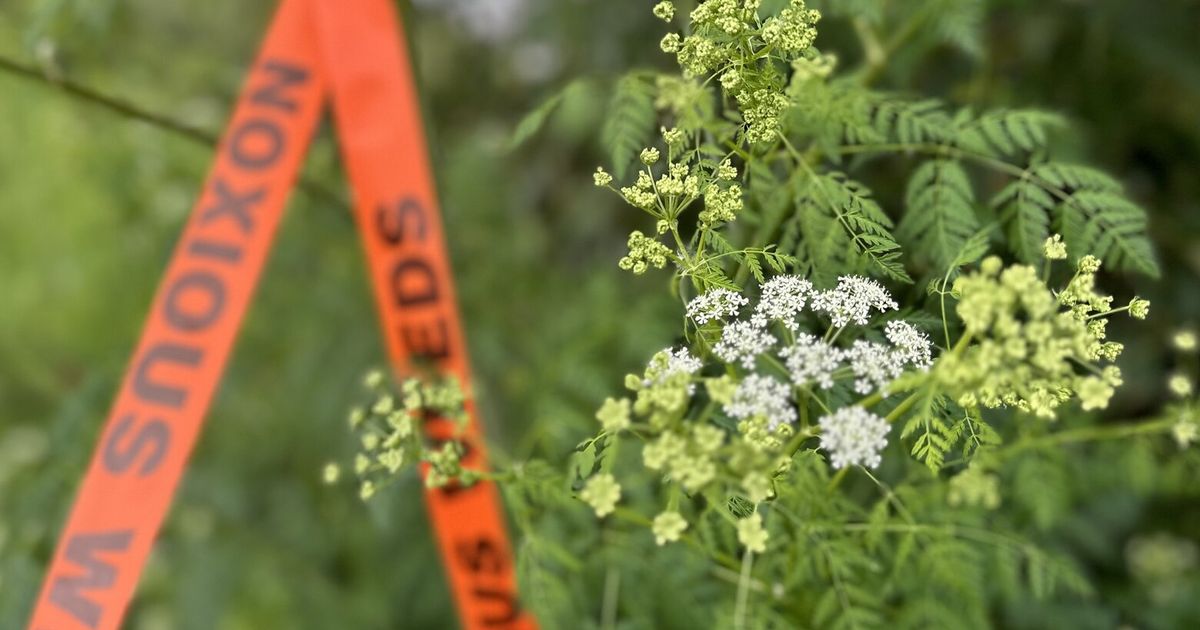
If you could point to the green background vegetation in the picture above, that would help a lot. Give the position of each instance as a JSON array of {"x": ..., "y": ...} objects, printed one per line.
[{"x": 91, "y": 203}]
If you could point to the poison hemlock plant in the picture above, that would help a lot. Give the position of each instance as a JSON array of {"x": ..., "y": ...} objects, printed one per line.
[{"x": 866, "y": 418}]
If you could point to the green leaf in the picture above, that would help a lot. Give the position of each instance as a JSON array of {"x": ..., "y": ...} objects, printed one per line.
[
  {"x": 1096, "y": 218},
  {"x": 755, "y": 268},
  {"x": 532, "y": 122},
  {"x": 974, "y": 247},
  {"x": 1024, "y": 209},
  {"x": 1007, "y": 131},
  {"x": 912, "y": 122},
  {"x": 865, "y": 226},
  {"x": 939, "y": 212},
  {"x": 630, "y": 122}
]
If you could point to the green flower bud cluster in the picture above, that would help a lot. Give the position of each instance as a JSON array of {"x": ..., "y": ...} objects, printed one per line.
[
  {"x": 730, "y": 40},
  {"x": 389, "y": 433},
  {"x": 1161, "y": 563},
  {"x": 445, "y": 466},
  {"x": 668, "y": 527},
  {"x": 721, "y": 206},
  {"x": 752, "y": 534},
  {"x": 680, "y": 183},
  {"x": 1030, "y": 343},
  {"x": 1186, "y": 430},
  {"x": 601, "y": 492},
  {"x": 974, "y": 487},
  {"x": 816, "y": 67},
  {"x": 794, "y": 29},
  {"x": 677, "y": 187},
  {"x": 644, "y": 252},
  {"x": 762, "y": 110},
  {"x": 614, "y": 415},
  {"x": 1055, "y": 248}
]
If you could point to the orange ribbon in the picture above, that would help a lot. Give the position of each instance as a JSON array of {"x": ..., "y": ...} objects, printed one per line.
[{"x": 354, "y": 50}]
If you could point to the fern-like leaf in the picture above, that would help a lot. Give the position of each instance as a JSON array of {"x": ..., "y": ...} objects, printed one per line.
[
  {"x": 533, "y": 121},
  {"x": 939, "y": 215},
  {"x": 630, "y": 122},
  {"x": 1096, "y": 218},
  {"x": 1024, "y": 209},
  {"x": 959, "y": 24},
  {"x": 865, "y": 225},
  {"x": 1006, "y": 131},
  {"x": 912, "y": 122}
]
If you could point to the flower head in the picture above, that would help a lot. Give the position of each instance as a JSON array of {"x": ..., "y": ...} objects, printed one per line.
[
  {"x": 1180, "y": 385},
  {"x": 614, "y": 415},
  {"x": 762, "y": 396},
  {"x": 751, "y": 533},
  {"x": 852, "y": 300},
  {"x": 667, "y": 527},
  {"x": 911, "y": 345},
  {"x": 644, "y": 252},
  {"x": 668, "y": 362},
  {"x": 874, "y": 365},
  {"x": 1139, "y": 308},
  {"x": 1094, "y": 393},
  {"x": 854, "y": 436},
  {"x": 811, "y": 360},
  {"x": 715, "y": 304},
  {"x": 783, "y": 297},
  {"x": 331, "y": 473},
  {"x": 1185, "y": 432},
  {"x": 664, "y": 11},
  {"x": 602, "y": 493},
  {"x": 1054, "y": 248},
  {"x": 742, "y": 342},
  {"x": 601, "y": 177}
]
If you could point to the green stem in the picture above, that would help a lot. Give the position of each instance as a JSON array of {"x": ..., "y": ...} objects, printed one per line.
[
  {"x": 837, "y": 478},
  {"x": 743, "y": 592},
  {"x": 314, "y": 189},
  {"x": 903, "y": 406},
  {"x": 612, "y": 586}
]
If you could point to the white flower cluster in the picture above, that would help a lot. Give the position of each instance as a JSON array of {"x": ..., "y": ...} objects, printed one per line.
[
  {"x": 671, "y": 361},
  {"x": 714, "y": 305},
  {"x": 763, "y": 396},
  {"x": 783, "y": 298},
  {"x": 911, "y": 344},
  {"x": 809, "y": 359},
  {"x": 742, "y": 342},
  {"x": 853, "y": 436},
  {"x": 852, "y": 300},
  {"x": 874, "y": 365}
]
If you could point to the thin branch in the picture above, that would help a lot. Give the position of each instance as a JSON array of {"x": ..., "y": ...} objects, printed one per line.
[{"x": 314, "y": 189}]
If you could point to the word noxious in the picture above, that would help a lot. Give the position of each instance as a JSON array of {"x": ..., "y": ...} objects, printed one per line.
[{"x": 175, "y": 371}]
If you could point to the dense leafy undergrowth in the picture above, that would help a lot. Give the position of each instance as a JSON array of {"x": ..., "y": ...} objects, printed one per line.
[
  {"x": 878, "y": 412},
  {"x": 791, "y": 460}
]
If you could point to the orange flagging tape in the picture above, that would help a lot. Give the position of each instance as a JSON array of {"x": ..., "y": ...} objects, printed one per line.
[{"x": 352, "y": 49}]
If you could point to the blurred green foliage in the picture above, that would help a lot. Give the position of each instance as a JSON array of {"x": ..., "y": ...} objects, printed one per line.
[{"x": 92, "y": 203}]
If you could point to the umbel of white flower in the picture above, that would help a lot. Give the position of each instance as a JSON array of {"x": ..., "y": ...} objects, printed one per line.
[
  {"x": 759, "y": 395},
  {"x": 783, "y": 298},
  {"x": 853, "y": 436},
  {"x": 718, "y": 304},
  {"x": 742, "y": 342},
  {"x": 853, "y": 300},
  {"x": 812, "y": 360}
]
